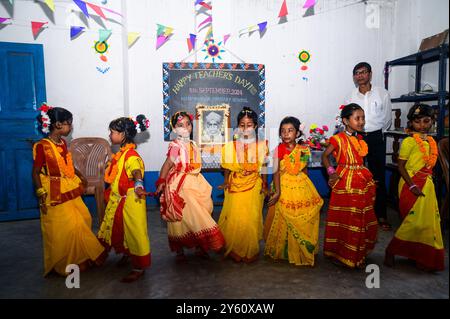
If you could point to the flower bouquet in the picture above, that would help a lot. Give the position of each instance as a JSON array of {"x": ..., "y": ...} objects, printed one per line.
[{"x": 317, "y": 138}]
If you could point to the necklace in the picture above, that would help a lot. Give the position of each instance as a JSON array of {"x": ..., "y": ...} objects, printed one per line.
[
  {"x": 360, "y": 145},
  {"x": 430, "y": 160},
  {"x": 55, "y": 142}
]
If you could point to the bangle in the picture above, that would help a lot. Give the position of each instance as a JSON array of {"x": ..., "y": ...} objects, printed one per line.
[
  {"x": 412, "y": 186},
  {"x": 40, "y": 192},
  {"x": 331, "y": 170},
  {"x": 160, "y": 181}
]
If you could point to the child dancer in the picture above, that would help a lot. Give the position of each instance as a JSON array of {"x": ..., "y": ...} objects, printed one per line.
[
  {"x": 294, "y": 229},
  {"x": 351, "y": 226},
  {"x": 241, "y": 216},
  {"x": 186, "y": 202},
  {"x": 124, "y": 226},
  {"x": 419, "y": 236},
  {"x": 65, "y": 220}
]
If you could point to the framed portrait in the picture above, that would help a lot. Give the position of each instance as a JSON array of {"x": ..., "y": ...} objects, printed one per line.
[{"x": 213, "y": 126}]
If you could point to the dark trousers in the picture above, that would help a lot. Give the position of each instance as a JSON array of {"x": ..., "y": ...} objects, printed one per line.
[{"x": 376, "y": 162}]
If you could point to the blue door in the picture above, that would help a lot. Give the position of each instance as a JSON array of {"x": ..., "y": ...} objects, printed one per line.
[{"x": 22, "y": 91}]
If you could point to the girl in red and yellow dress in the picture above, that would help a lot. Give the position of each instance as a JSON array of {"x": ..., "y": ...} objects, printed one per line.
[
  {"x": 241, "y": 218},
  {"x": 419, "y": 236},
  {"x": 351, "y": 225},
  {"x": 65, "y": 219},
  {"x": 186, "y": 202},
  {"x": 124, "y": 225},
  {"x": 292, "y": 224}
]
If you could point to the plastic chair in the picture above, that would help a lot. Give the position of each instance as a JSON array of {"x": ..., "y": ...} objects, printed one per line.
[
  {"x": 443, "y": 159},
  {"x": 90, "y": 156}
]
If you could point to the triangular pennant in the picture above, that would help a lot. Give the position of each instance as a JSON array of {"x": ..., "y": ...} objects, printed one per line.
[
  {"x": 160, "y": 41},
  {"x": 309, "y": 3},
  {"x": 74, "y": 31},
  {"x": 192, "y": 39},
  {"x": 132, "y": 37},
  {"x": 11, "y": 2},
  {"x": 205, "y": 5},
  {"x": 97, "y": 10},
  {"x": 103, "y": 35},
  {"x": 208, "y": 19},
  {"x": 112, "y": 11},
  {"x": 36, "y": 27},
  {"x": 209, "y": 33},
  {"x": 283, "y": 10},
  {"x": 3, "y": 19},
  {"x": 251, "y": 29},
  {"x": 160, "y": 29},
  {"x": 198, "y": 1},
  {"x": 189, "y": 44},
  {"x": 225, "y": 38},
  {"x": 168, "y": 31},
  {"x": 262, "y": 26},
  {"x": 50, "y": 4},
  {"x": 82, "y": 6}
]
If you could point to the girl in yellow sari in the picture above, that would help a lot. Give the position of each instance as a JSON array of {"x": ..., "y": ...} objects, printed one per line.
[
  {"x": 186, "y": 202},
  {"x": 292, "y": 224},
  {"x": 419, "y": 236},
  {"x": 65, "y": 220},
  {"x": 124, "y": 225},
  {"x": 241, "y": 217}
]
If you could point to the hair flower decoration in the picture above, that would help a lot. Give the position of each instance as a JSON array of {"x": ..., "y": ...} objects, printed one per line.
[{"x": 45, "y": 118}]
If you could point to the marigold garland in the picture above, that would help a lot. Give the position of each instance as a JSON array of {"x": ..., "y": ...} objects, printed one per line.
[
  {"x": 430, "y": 160},
  {"x": 112, "y": 168},
  {"x": 359, "y": 145}
]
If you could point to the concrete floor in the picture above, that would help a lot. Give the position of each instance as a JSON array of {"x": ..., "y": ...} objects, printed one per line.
[{"x": 21, "y": 269}]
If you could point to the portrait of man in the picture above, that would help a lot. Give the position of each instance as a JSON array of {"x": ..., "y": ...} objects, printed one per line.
[{"x": 213, "y": 131}]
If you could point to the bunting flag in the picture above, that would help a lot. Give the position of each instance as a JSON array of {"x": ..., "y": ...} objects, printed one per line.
[
  {"x": 74, "y": 31},
  {"x": 3, "y": 19},
  {"x": 163, "y": 33},
  {"x": 206, "y": 5},
  {"x": 132, "y": 37},
  {"x": 283, "y": 10},
  {"x": 103, "y": 35},
  {"x": 309, "y": 4},
  {"x": 262, "y": 26},
  {"x": 225, "y": 38},
  {"x": 50, "y": 4},
  {"x": 189, "y": 44},
  {"x": 36, "y": 27},
  {"x": 160, "y": 41},
  {"x": 192, "y": 39},
  {"x": 97, "y": 10},
  {"x": 196, "y": 2},
  {"x": 11, "y": 2},
  {"x": 209, "y": 34},
  {"x": 112, "y": 11},
  {"x": 207, "y": 20},
  {"x": 82, "y": 6}
]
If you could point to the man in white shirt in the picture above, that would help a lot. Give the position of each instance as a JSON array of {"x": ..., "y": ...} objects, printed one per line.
[{"x": 376, "y": 103}]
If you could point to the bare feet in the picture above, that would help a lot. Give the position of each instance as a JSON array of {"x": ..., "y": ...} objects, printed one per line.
[{"x": 134, "y": 275}]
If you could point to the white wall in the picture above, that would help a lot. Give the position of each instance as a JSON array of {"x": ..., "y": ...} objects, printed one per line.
[{"x": 336, "y": 36}]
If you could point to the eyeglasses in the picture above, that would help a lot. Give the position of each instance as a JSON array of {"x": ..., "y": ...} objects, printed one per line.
[{"x": 361, "y": 72}]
